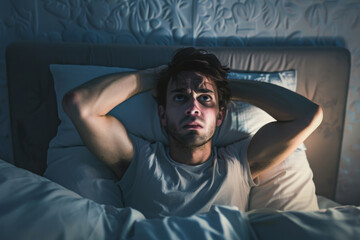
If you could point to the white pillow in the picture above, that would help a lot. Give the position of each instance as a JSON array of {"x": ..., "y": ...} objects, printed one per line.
[
  {"x": 73, "y": 166},
  {"x": 78, "y": 170},
  {"x": 287, "y": 186}
]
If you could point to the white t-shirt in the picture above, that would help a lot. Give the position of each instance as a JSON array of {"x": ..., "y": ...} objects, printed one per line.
[{"x": 158, "y": 186}]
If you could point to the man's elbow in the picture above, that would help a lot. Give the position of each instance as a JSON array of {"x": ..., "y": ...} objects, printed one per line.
[{"x": 316, "y": 117}]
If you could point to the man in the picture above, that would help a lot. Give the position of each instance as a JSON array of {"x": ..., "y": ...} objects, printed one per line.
[{"x": 188, "y": 176}]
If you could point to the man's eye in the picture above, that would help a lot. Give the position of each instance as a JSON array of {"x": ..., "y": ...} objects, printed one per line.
[
  {"x": 179, "y": 98},
  {"x": 205, "y": 98}
]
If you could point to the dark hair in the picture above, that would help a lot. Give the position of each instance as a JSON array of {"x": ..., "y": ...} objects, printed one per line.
[{"x": 196, "y": 60}]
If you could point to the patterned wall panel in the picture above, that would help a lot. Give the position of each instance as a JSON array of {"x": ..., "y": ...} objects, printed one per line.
[{"x": 199, "y": 23}]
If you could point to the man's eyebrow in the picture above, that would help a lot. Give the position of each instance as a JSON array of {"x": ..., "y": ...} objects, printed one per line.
[
  {"x": 178, "y": 90},
  {"x": 182, "y": 90},
  {"x": 205, "y": 90}
]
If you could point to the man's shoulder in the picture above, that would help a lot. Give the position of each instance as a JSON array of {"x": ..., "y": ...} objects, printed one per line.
[{"x": 139, "y": 141}]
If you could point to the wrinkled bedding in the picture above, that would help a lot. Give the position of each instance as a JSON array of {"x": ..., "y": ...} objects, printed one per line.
[{"x": 33, "y": 207}]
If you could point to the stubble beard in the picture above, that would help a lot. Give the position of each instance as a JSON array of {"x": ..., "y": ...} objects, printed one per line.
[{"x": 191, "y": 140}]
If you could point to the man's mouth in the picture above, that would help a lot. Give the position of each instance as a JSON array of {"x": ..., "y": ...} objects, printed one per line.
[{"x": 192, "y": 126}]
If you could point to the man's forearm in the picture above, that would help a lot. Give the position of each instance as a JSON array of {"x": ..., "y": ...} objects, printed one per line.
[
  {"x": 100, "y": 95},
  {"x": 282, "y": 104}
]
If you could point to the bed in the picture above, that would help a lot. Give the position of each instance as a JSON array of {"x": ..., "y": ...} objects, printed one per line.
[{"x": 37, "y": 73}]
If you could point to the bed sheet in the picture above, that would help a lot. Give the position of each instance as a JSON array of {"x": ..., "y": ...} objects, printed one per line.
[
  {"x": 33, "y": 207},
  {"x": 324, "y": 202}
]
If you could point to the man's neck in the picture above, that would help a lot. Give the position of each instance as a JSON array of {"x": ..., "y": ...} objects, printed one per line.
[{"x": 190, "y": 156}]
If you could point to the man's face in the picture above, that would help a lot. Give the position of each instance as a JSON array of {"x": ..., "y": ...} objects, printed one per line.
[{"x": 192, "y": 110}]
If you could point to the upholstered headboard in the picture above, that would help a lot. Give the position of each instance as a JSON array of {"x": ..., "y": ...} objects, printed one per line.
[{"x": 323, "y": 75}]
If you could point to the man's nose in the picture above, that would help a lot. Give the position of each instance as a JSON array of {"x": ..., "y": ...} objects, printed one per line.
[{"x": 192, "y": 108}]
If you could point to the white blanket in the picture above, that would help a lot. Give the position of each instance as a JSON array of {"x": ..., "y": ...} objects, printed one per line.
[{"x": 32, "y": 207}]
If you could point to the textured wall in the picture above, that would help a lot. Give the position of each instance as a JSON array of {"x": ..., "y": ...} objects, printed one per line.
[{"x": 200, "y": 23}]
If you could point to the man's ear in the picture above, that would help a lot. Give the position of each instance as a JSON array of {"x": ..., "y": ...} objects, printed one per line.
[
  {"x": 162, "y": 115},
  {"x": 220, "y": 117}
]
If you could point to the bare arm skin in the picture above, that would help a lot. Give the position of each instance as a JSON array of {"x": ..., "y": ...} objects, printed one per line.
[
  {"x": 296, "y": 118},
  {"x": 88, "y": 106}
]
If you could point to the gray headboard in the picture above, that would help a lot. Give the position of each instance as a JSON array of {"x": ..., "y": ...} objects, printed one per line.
[{"x": 323, "y": 75}]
